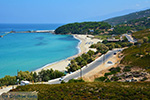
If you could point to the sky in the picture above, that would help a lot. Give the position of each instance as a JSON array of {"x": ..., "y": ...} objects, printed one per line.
[{"x": 64, "y": 11}]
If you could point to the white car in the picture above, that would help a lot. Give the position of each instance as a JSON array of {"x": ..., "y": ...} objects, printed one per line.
[{"x": 24, "y": 83}]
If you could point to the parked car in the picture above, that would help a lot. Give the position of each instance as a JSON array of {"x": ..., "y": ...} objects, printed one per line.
[
  {"x": 115, "y": 53},
  {"x": 62, "y": 78},
  {"x": 109, "y": 62},
  {"x": 119, "y": 50}
]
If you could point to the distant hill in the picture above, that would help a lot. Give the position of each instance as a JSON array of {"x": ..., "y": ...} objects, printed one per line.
[
  {"x": 126, "y": 18},
  {"x": 132, "y": 26},
  {"x": 124, "y": 24},
  {"x": 110, "y": 15},
  {"x": 83, "y": 28}
]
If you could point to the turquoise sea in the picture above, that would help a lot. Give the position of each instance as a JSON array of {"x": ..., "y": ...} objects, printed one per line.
[{"x": 30, "y": 51}]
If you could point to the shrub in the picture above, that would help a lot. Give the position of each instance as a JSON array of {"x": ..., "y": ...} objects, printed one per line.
[
  {"x": 46, "y": 75},
  {"x": 127, "y": 69},
  {"x": 115, "y": 70},
  {"x": 8, "y": 80},
  {"x": 90, "y": 91},
  {"x": 62, "y": 82},
  {"x": 140, "y": 41},
  {"x": 145, "y": 78},
  {"x": 24, "y": 75},
  {"x": 90, "y": 52},
  {"x": 100, "y": 79},
  {"x": 124, "y": 44},
  {"x": 107, "y": 74},
  {"x": 108, "y": 80},
  {"x": 130, "y": 44},
  {"x": 145, "y": 39},
  {"x": 115, "y": 78},
  {"x": 75, "y": 80}
]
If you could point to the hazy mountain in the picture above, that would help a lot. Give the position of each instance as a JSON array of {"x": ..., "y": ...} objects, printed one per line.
[
  {"x": 104, "y": 17},
  {"x": 128, "y": 17}
]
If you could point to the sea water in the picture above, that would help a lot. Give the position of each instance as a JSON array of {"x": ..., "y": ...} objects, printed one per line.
[{"x": 30, "y": 51}]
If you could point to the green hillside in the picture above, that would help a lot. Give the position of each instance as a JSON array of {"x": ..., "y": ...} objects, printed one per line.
[
  {"x": 126, "y": 18},
  {"x": 138, "y": 55},
  {"x": 90, "y": 91},
  {"x": 141, "y": 34},
  {"x": 101, "y": 28},
  {"x": 83, "y": 28},
  {"x": 132, "y": 26}
]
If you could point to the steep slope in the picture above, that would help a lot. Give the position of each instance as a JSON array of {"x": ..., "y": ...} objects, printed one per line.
[
  {"x": 126, "y": 18},
  {"x": 132, "y": 26},
  {"x": 90, "y": 91}
]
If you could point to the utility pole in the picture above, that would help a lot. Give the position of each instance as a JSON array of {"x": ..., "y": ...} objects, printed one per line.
[
  {"x": 81, "y": 73},
  {"x": 17, "y": 72},
  {"x": 17, "y": 78},
  {"x": 103, "y": 58}
]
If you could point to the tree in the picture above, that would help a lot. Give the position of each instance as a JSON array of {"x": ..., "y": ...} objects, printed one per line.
[
  {"x": 73, "y": 67},
  {"x": 8, "y": 80},
  {"x": 125, "y": 39},
  {"x": 92, "y": 46},
  {"x": 78, "y": 59},
  {"x": 140, "y": 41},
  {"x": 117, "y": 46},
  {"x": 124, "y": 44},
  {"x": 73, "y": 61},
  {"x": 102, "y": 48},
  {"x": 145, "y": 39},
  {"x": 75, "y": 80},
  {"x": 110, "y": 45},
  {"x": 24, "y": 75},
  {"x": 85, "y": 56},
  {"x": 46, "y": 75},
  {"x": 35, "y": 76},
  {"x": 90, "y": 60},
  {"x": 105, "y": 41},
  {"x": 100, "y": 79},
  {"x": 83, "y": 63},
  {"x": 82, "y": 28},
  {"x": 90, "y": 52}
]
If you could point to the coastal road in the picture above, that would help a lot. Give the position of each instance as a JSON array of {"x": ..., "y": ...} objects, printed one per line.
[
  {"x": 6, "y": 89},
  {"x": 86, "y": 69}
]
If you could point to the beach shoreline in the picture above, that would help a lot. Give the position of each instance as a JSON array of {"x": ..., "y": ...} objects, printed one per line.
[{"x": 83, "y": 47}]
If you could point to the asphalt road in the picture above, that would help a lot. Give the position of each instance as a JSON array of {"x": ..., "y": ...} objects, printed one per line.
[
  {"x": 129, "y": 38},
  {"x": 85, "y": 69}
]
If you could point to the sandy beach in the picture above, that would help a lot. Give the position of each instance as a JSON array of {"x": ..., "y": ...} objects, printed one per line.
[{"x": 83, "y": 46}]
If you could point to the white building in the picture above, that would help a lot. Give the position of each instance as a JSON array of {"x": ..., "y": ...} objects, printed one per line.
[{"x": 24, "y": 83}]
